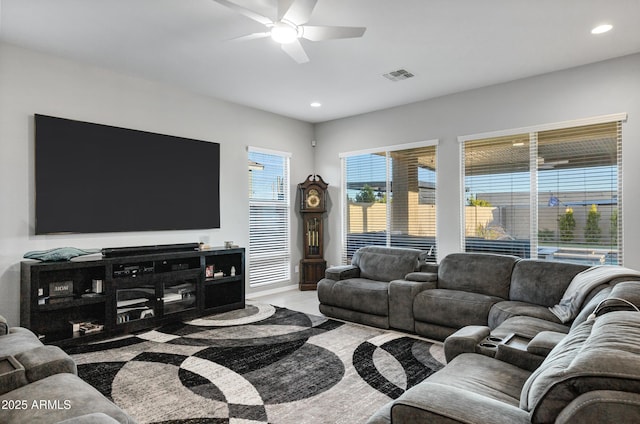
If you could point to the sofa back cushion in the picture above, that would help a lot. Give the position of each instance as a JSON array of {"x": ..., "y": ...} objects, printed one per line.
[
  {"x": 600, "y": 354},
  {"x": 542, "y": 282},
  {"x": 483, "y": 273},
  {"x": 386, "y": 263}
]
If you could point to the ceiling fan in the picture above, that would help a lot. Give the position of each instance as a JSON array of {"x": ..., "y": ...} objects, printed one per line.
[{"x": 288, "y": 27}]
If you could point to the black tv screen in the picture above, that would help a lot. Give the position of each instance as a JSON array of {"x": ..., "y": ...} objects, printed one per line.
[{"x": 92, "y": 178}]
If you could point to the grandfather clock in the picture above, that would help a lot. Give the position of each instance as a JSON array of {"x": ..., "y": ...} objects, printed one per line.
[{"x": 313, "y": 193}]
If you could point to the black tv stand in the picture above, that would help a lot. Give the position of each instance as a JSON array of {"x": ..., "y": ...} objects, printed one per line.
[{"x": 91, "y": 297}]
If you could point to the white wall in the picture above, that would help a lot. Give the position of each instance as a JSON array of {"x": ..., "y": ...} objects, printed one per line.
[
  {"x": 31, "y": 83},
  {"x": 592, "y": 90}
]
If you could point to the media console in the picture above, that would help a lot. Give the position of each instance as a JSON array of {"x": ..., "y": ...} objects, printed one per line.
[{"x": 93, "y": 296}]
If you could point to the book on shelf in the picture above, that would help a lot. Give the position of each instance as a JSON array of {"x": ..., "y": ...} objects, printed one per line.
[
  {"x": 90, "y": 327},
  {"x": 130, "y": 302}
]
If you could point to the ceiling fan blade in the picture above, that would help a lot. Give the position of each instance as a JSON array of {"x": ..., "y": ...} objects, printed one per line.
[
  {"x": 320, "y": 33},
  {"x": 253, "y": 36},
  {"x": 283, "y": 7},
  {"x": 300, "y": 11},
  {"x": 296, "y": 51},
  {"x": 246, "y": 12}
]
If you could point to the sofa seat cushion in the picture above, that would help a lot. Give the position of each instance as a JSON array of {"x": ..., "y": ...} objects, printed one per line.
[
  {"x": 386, "y": 263},
  {"x": 73, "y": 397},
  {"x": 17, "y": 341},
  {"x": 527, "y": 327},
  {"x": 484, "y": 376},
  {"x": 502, "y": 311},
  {"x": 600, "y": 354},
  {"x": 453, "y": 308},
  {"x": 356, "y": 294}
]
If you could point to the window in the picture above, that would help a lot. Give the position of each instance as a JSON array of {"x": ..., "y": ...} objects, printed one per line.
[
  {"x": 269, "y": 217},
  {"x": 553, "y": 193},
  {"x": 390, "y": 198}
]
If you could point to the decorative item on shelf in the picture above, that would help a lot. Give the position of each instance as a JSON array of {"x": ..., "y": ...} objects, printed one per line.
[
  {"x": 59, "y": 254},
  {"x": 97, "y": 286},
  {"x": 61, "y": 289},
  {"x": 209, "y": 271},
  {"x": 313, "y": 193},
  {"x": 90, "y": 327}
]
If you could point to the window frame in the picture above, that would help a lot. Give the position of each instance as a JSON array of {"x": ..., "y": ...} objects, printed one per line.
[
  {"x": 534, "y": 131},
  {"x": 280, "y": 257},
  {"x": 387, "y": 150}
]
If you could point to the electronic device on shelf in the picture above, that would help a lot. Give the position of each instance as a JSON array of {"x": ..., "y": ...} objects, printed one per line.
[
  {"x": 132, "y": 270},
  {"x": 113, "y": 252}
]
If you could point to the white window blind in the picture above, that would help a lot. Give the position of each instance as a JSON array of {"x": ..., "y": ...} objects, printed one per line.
[
  {"x": 269, "y": 218},
  {"x": 390, "y": 199},
  {"x": 552, "y": 194}
]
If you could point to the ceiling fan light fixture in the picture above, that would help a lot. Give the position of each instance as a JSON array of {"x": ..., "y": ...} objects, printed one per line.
[
  {"x": 284, "y": 32},
  {"x": 601, "y": 29}
]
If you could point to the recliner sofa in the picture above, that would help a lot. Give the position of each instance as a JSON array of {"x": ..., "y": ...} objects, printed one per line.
[
  {"x": 395, "y": 288},
  {"x": 591, "y": 375},
  {"x": 372, "y": 290},
  {"x": 39, "y": 384}
]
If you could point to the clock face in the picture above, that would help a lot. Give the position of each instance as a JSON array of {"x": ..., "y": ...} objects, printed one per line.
[{"x": 313, "y": 198}]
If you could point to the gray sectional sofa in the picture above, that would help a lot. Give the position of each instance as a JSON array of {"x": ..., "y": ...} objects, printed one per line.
[
  {"x": 526, "y": 341},
  {"x": 394, "y": 288},
  {"x": 39, "y": 384},
  {"x": 590, "y": 375}
]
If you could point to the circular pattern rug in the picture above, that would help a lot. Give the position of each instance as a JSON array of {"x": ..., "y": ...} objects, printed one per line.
[{"x": 261, "y": 364}]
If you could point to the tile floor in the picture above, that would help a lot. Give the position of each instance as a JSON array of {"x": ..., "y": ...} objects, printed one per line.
[{"x": 303, "y": 301}]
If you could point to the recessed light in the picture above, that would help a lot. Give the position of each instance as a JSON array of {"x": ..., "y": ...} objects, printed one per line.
[
  {"x": 315, "y": 104},
  {"x": 601, "y": 29}
]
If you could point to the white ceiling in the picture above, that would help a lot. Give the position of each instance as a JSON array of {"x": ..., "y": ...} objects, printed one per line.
[{"x": 450, "y": 46}]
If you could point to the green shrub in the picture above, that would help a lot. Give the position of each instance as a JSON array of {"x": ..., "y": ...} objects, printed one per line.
[
  {"x": 567, "y": 224},
  {"x": 592, "y": 230}
]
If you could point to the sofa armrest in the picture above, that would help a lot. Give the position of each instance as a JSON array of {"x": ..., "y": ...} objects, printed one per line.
[
  {"x": 401, "y": 296},
  {"x": 44, "y": 361},
  {"x": 12, "y": 374},
  {"x": 432, "y": 403},
  {"x": 422, "y": 277},
  {"x": 342, "y": 272},
  {"x": 464, "y": 340},
  {"x": 543, "y": 342},
  {"x": 602, "y": 406}
]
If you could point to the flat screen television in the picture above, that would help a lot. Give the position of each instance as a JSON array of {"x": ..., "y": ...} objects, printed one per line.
[{"x": 93, "y": 178}]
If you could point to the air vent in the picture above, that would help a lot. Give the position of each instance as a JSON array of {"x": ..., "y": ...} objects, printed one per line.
[{"x": 399, "y": 75}]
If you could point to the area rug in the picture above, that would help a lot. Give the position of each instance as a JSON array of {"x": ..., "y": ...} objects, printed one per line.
[{"x": 261, "y": 364}]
